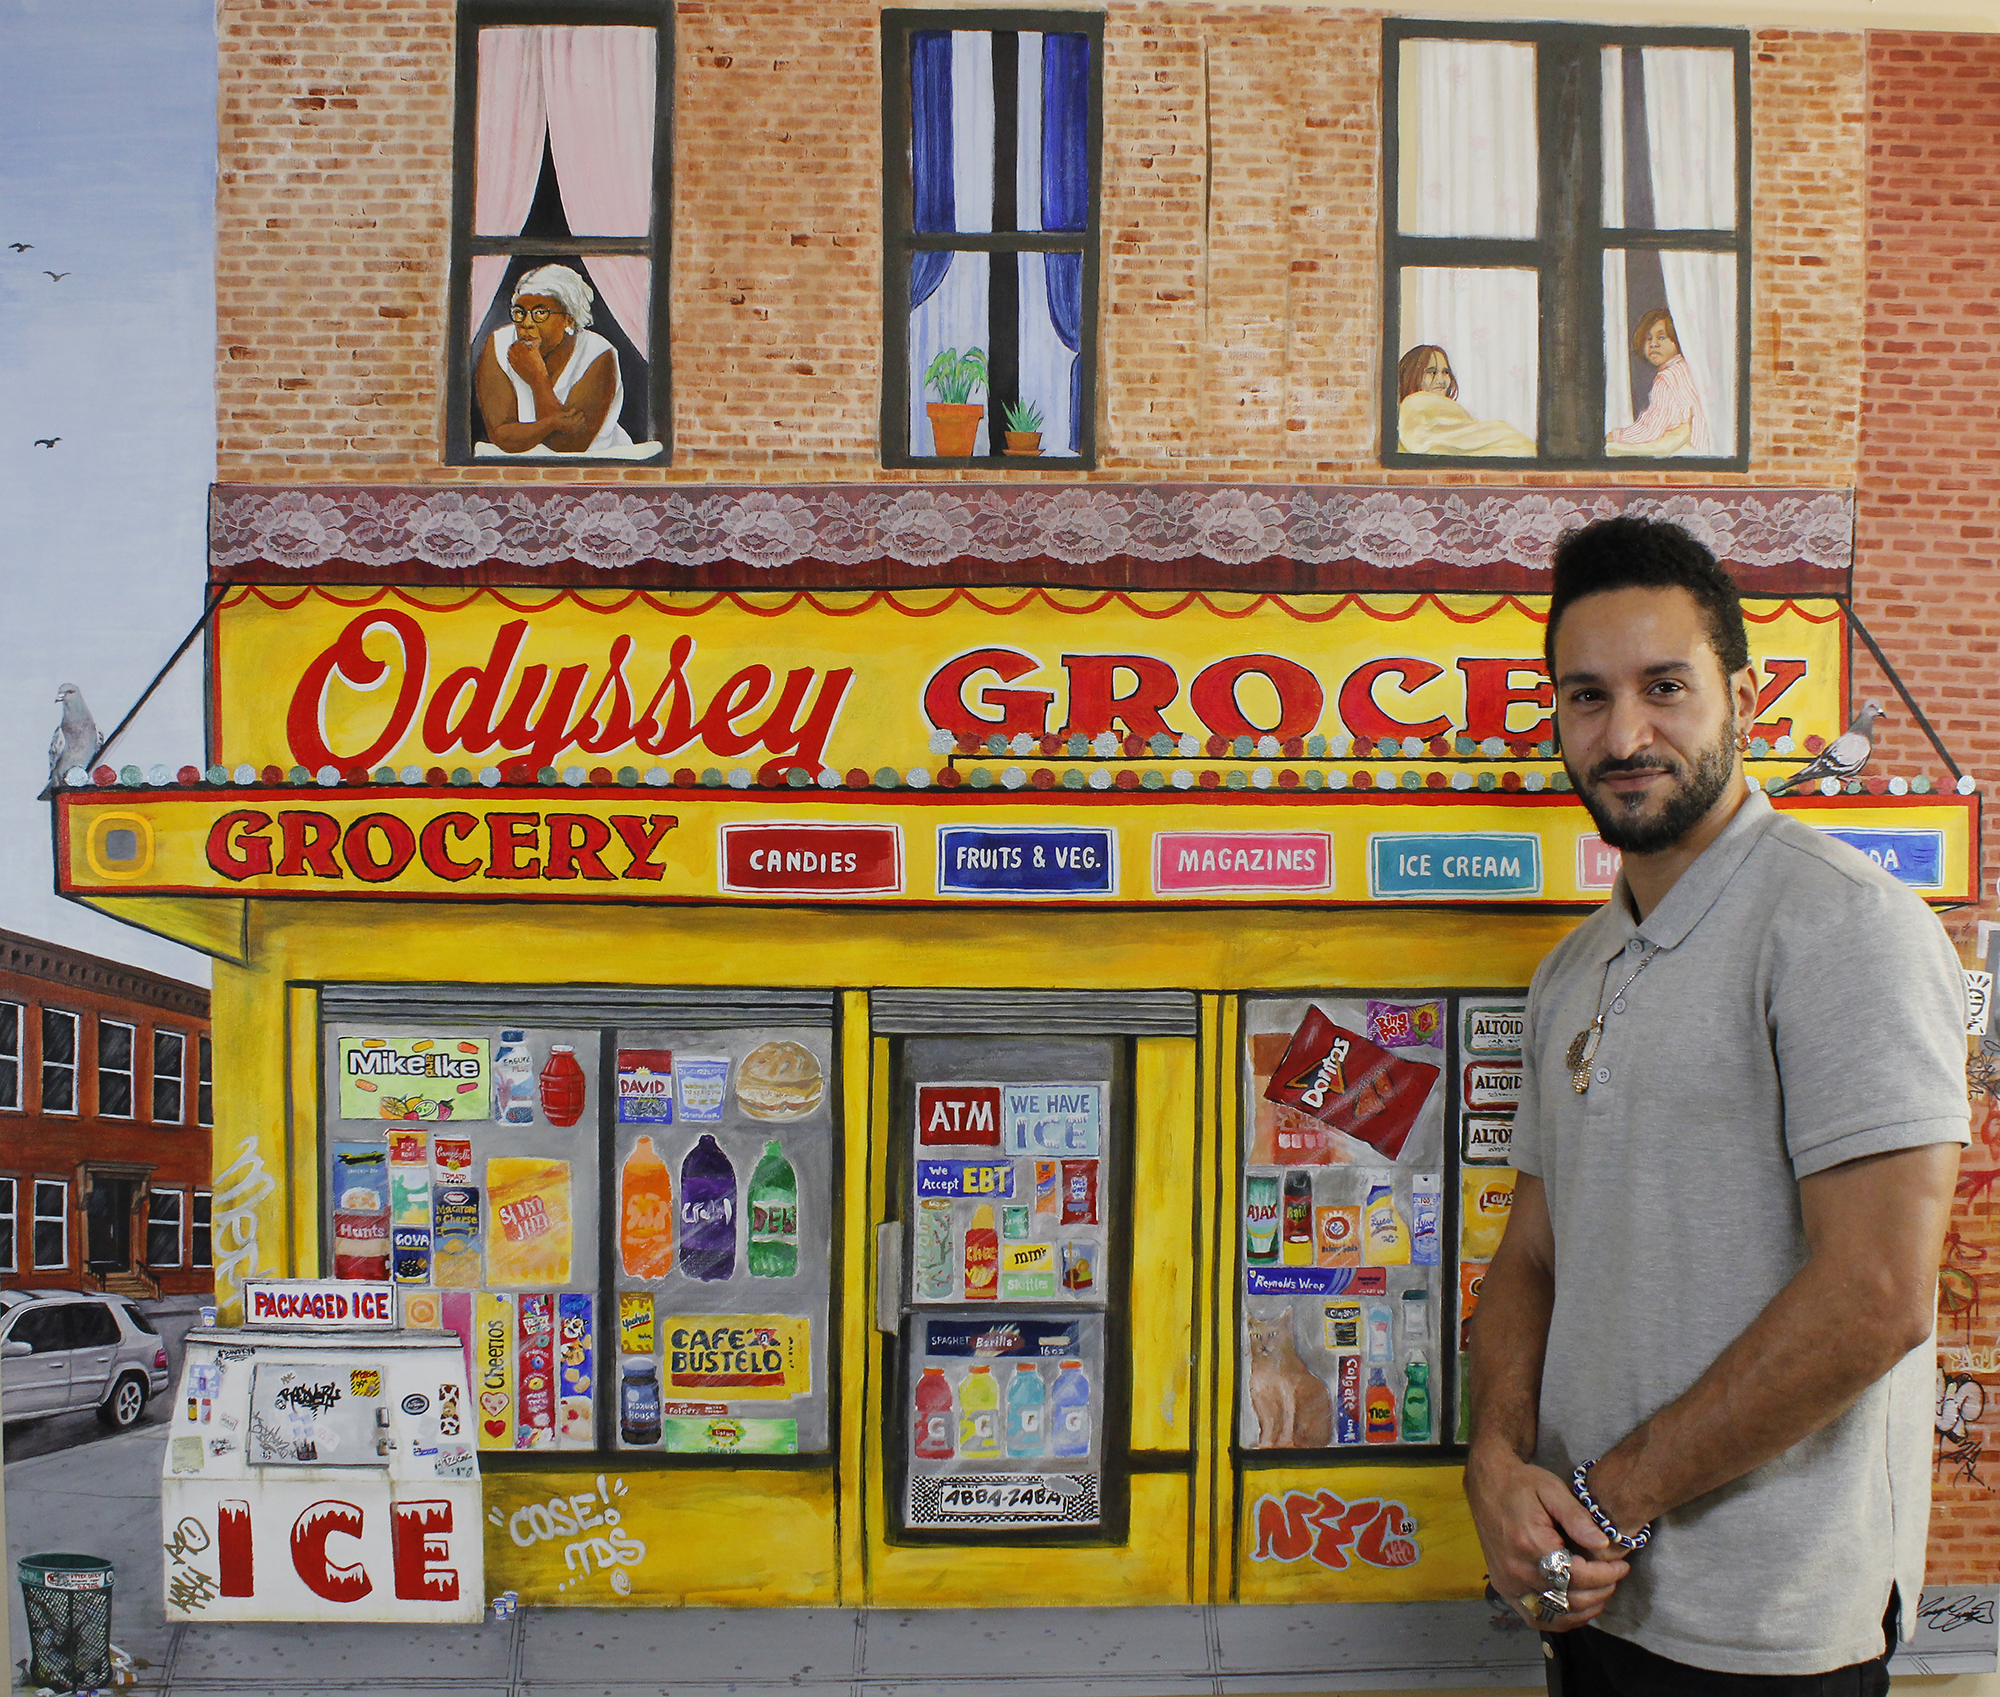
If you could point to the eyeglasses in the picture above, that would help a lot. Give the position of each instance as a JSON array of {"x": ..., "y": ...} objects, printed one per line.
[{"x": 535, "y": 314}]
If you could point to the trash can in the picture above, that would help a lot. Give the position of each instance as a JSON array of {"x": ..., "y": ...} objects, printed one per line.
[{"x": 68, "y": 1600}]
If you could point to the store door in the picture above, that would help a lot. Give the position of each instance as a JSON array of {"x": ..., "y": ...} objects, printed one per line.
[
  {"x": 1033, "y": 1163},
  {"x": 108, "y": 1207}
]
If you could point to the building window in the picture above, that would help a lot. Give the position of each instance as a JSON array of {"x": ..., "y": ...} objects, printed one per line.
[
  {"x": 10, "y": 1260},
  {"x": 114, "y": 1069},
  {"x": 204, "y": 1090},
  {"x": 564, "y": 151},
  {"x": 51, "y": 1223},
  {"x": 201, "y": 1231},
  {"x": 169, "y": 1058},
  {"x": 163, "y": 1228},
  {"x": 10, "y": 1054},
  {"x": 58, "y": 1061},
  {"x": 990, "y": 210},
  {"x": 1568, "y": 262}
]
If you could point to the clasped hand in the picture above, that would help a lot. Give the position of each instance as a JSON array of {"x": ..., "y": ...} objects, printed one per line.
[{"x": 1521, "y": 1513}]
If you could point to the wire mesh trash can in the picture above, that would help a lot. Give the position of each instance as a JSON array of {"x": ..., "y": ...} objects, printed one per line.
[{"x": 68, "y": 1600}]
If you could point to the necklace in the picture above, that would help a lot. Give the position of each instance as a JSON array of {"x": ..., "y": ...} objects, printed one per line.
[{"x": 1584, "y": 1044}]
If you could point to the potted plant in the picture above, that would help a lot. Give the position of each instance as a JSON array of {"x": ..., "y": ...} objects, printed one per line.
[
  {"x": 954, "y": 419},
  {"x": 1024, "y": 427}
]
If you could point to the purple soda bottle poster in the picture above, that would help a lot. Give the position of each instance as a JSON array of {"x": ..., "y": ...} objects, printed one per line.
[{"x": 708, "y": 1212}]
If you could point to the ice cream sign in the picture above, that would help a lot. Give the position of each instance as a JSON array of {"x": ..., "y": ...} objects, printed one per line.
[{"x": 413, "y": 1078}]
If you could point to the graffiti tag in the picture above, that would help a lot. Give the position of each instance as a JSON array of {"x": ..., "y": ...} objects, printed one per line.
[{"x": 1329, "y": 1528}]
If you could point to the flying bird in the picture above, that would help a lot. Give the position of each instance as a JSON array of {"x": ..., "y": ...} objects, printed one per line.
[
  {"x": 1842, "y": 758},
  {"x": 20, "y": 247},
  {"x": 47, "y": 441},
  {"x": 56, "y": 276},
  {"x": 77, "y": 739}
]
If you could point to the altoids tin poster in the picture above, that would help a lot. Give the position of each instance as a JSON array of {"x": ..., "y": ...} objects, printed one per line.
[{"x": 413, "y": 1078}]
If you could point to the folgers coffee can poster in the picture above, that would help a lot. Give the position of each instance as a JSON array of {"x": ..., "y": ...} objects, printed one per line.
[
  {"x": 1330, "y": 1077},
  {"x": 742, "y": 1356}
]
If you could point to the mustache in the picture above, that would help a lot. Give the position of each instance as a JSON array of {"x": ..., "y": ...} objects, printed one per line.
[{"x": 1635, "y": 763}]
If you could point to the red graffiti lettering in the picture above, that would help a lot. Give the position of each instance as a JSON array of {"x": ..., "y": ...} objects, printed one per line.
[
  {"x": 1329, "y": 1529},
  {"x": 417, "y": 1544},
  {"x": 320, "y": 1574}
]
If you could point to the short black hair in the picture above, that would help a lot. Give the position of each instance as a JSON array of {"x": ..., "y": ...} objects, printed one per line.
[{"x": 1636, "y": 553}]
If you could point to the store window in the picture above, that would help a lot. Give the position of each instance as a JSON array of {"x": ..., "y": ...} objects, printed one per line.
[
  {"x": 563, "y": 151},
  {"x": 58, "y": 1061},
  {"x": 1376, "y": 1133},
  {"x": 204, "y": 1090},
  {"x": 1567, "y": 272},
  {"x": 51, "y": 1224},
  {"x": 990, "y": 207},
  {"x": 169, "y": 1082},
  {"x": 163, "y": 1228},
  {"x": 201, "y": 1230},
  {"x": 624, "y": 1202},
  {"x": 10, "y": 1259},
  {"x": 10, "y": 1054},
  {"x": 114, "y": 1069}
]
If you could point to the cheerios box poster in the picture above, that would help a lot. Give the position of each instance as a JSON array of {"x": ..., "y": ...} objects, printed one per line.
[{"x": 414, "y": 1078}]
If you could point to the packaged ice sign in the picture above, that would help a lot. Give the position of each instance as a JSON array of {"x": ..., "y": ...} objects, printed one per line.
[
  {"x": 1026, "y": 860},
  {"x": 965, "y": 1178},
  {"x": 1454, "y": 865},
  {"x": 1495, "y": 1030},
  {"x": 1492, "y": 1084},
  {"x": 413, "y": 1078},
  {"x": 1052, "y": 1119},
  {"x": 1241, "y": 862},
  {"x": 744, "y": 1356},
  {"x": 812, "y": 860},
  {"x": 1911, "y": 857},
  {"x": 1487, "y": 1139},
  {"x": 320, "y": 1305},
  {"x": 959, "y": 1115}
]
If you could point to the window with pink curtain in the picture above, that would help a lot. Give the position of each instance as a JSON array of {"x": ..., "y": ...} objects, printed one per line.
[{"x": 561, "y": 165}]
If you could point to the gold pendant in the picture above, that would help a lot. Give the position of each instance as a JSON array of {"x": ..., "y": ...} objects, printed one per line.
[{"x": 1577, "y": 1059}]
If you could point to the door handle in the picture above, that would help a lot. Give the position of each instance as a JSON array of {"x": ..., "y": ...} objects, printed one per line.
[{"x": 888, "y": 1276}]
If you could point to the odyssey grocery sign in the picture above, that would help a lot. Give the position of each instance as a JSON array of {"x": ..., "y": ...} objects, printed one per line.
[
  {"x": 471, "y": 677},
  {"x": 1126, "y": 848}
]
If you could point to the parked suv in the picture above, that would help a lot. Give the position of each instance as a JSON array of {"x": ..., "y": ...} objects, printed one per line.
[{"x": 61, "y": 1351}]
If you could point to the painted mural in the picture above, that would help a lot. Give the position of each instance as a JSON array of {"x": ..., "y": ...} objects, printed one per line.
[{"x": 877, "y": 845}]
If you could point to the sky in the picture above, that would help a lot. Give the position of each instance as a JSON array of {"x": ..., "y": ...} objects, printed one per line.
[{"x": 108, "y": 131}]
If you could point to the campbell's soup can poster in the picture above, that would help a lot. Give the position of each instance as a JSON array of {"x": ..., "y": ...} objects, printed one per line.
[{"x": 414, "y": 1078}]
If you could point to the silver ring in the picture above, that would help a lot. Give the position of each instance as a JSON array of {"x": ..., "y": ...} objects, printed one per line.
[
  {"x": 1551, "y": 1606},
  {"x": 1554, "y": 1569}
]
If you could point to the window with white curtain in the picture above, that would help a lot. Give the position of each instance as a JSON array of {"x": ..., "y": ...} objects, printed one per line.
[
  {"x": 990, "y": 214},
  {"x": 561, "y": 179},
  {"x": 1568, "y": 257}
]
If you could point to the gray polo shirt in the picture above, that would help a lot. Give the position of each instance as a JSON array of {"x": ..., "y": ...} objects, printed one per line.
[{"x": 1803, "y": 1010}]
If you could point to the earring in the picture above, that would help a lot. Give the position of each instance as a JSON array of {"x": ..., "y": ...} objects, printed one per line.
[{"x": 1742, "y": 742}]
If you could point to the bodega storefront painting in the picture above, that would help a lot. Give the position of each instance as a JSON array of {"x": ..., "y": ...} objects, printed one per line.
[{"x": 782, "y": 1030}]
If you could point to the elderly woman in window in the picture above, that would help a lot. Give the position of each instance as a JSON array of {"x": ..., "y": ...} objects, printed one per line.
[
  {"x": 551, "y": 385},
  {"x": 1429, "y": 419},
  {"x": 1673, "y": 421}
]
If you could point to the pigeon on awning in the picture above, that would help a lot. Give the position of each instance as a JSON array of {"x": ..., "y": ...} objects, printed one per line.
[{"x": 1842, "y": 758}]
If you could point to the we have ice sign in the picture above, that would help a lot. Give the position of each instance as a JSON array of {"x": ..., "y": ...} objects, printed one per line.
[{"x": 1051, "y": 1119}]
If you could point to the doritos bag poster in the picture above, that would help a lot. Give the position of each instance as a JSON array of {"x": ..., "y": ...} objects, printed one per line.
[{"x": 1333, "y": 1078}]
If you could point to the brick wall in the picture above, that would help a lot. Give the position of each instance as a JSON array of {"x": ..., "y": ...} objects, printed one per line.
[
  {"x": 1241, "y": 281},
  {"x": 1925, "y": 580}
]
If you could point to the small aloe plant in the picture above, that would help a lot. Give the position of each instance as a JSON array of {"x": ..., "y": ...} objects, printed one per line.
[
  {"x": 1024, "y": 418},
  {"x": 955, "y": 375}
]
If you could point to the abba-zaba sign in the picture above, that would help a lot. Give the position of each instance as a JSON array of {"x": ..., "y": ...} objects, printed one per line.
[{"x": 450, "y": 678}]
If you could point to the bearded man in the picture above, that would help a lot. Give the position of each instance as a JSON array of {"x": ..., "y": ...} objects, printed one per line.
[{"x": 1704, "y": 1357}]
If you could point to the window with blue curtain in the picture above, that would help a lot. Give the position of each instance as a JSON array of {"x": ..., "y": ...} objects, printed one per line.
[{"x": 990, "y": 211}]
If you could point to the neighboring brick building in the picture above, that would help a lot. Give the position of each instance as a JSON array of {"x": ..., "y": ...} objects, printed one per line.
[{"x": 105, "y": 1125}]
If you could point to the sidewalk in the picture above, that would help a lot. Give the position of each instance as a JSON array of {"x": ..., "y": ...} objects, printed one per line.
[{"x": 102, "y": 1498}]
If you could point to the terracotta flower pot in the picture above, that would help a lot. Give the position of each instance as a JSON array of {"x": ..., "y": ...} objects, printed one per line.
[
  {"x": 953, "y": 428},
  {"x": 1024, "y": 441}
]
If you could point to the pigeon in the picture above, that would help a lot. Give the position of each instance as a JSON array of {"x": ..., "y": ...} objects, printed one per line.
[
  {"x": 56, "y": 276},
  {"x": 20, "y": 247},
  {"x": 47, "y": 441},
  {"x": 1843, "y": 757},
  {"x": 77, "y": 738}
]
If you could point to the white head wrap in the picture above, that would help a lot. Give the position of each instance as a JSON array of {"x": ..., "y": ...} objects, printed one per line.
[{"x": 559, "y": 282}]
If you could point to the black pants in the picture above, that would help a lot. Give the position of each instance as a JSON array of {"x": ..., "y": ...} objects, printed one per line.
[{"x": 1589, "y": 1663}]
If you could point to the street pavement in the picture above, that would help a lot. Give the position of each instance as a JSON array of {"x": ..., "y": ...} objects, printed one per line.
[{"x": 100, "y": 1496}]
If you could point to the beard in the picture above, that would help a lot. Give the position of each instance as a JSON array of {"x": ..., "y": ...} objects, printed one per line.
[{"x": 1685, "y": 807}]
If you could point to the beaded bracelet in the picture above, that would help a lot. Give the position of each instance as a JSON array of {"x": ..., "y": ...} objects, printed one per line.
[{"x": 1631, "y": 1543}]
